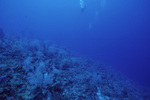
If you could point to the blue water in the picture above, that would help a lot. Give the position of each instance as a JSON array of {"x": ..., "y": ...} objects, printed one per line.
[{"x": 115, "y": 32}]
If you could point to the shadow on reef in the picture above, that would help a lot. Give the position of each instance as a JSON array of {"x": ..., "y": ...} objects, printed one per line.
[{"x": 35, "y": 70}]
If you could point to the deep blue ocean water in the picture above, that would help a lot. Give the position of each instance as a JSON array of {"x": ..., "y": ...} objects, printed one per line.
[{"x": 115, "y": 32}]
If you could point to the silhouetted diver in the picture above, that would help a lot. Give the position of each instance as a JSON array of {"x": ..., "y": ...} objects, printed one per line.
[
  {"x": 82, "y": 5},
  {"x": 82, "y": 9}
]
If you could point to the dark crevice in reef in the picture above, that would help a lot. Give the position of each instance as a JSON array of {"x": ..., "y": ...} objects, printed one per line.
[{"x": 34, "y": 70}]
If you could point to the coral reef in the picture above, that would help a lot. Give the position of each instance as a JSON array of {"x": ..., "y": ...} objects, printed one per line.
[{"x": 34, "y": 70}]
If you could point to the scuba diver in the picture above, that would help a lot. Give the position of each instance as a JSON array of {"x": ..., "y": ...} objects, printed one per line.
[{"x": 82, "y": 5}]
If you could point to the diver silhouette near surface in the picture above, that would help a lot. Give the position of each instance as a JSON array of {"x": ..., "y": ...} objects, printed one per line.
[{"x": 82, "y": 5}]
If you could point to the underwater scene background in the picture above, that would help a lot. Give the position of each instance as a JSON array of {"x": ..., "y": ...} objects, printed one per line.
[{"x": 74, "y": 49}]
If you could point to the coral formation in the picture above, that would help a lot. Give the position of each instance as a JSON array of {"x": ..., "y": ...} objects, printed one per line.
[{"x": 34, "y": 70}]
